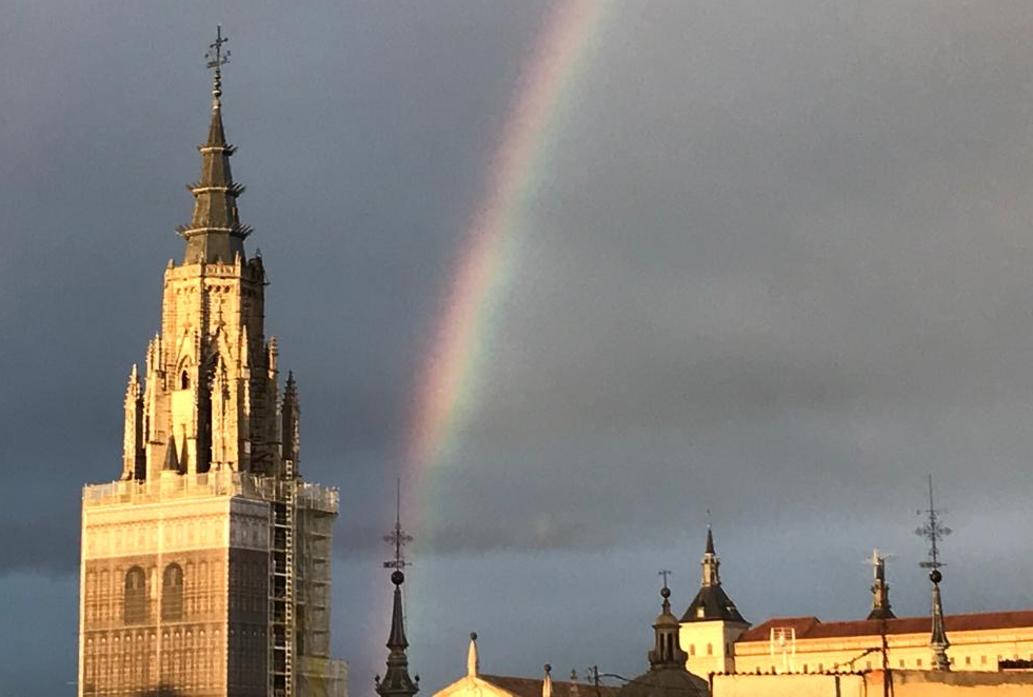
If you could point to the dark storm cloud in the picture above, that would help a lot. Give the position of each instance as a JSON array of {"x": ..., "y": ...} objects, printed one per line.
[{"x": 776, "y": 265}]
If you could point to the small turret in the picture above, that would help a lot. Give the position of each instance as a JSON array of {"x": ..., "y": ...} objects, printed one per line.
[{"x": 667, "y": 651}]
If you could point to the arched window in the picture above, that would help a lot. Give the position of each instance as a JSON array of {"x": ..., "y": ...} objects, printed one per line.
[
  {"x": 184, "y": 380},
  {"x": 134, "y": 603},
  {"x": 172, "y": 593},
  {"x": 692, "y": 649},
  {"x": 710, "y": 649}
]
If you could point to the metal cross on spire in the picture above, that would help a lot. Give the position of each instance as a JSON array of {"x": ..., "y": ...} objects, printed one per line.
[
  {"x": 216, "y": 58},
  {"x": 399, "y": 538},
  {"x": 934, "y": 531},
  {"x": 665, "y": 573}
]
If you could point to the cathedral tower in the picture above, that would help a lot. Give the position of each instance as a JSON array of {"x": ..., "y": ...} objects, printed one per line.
[{"x": 206, "y": 567}]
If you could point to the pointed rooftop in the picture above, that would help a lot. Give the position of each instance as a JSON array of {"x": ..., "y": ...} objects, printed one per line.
[
  {"x": 396, "y": 681},
  {"x": 711, "y": 602},
  {"x": 215, "y": 233}
]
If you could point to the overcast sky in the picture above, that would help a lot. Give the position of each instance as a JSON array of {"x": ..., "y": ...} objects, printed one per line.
[{"x": 777, "y": 265}]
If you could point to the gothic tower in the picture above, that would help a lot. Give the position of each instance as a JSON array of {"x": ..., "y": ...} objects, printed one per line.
[
  {"x": 206, "y": 567},
  {"x": 711, "y": 624}
]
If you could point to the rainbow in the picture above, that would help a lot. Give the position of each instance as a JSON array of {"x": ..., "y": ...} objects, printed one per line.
[{"x": 448, "y": 381}]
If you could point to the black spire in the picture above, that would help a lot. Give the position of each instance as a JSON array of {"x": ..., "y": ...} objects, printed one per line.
[
  {"x": 711, "y": 602},
  {"x": 396, "y": 682},
  {"x": 215, "y": 232},
  {"x": 934, "y": 531}
]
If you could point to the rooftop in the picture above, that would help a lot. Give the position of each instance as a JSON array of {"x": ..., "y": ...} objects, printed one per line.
[{"x": 813, "y": 628}]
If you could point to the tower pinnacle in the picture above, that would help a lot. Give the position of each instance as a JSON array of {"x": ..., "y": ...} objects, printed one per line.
[
  {"x": 396, "y": 682},
  {"x": 215, "y": 233},
  {"x": 711, "y": 602}
]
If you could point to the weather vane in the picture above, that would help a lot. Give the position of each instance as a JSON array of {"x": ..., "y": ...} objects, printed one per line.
[
  {"x": 217, "y": 58},
  {"x": 934, "y": 531},
  {"x": 399, "y": 538}
]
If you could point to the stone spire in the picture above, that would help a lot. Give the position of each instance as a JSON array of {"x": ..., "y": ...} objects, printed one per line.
[
  {"x": 711, "y": 602},
  {"x": 134, "y": 460},
  {"x": 215, "y": 233},
  {"x": 667, "y": 652},
  {"x": 880, "y": 590},
  {"x": 290, "y": 421},
  {"x": 396, "y": 681}
]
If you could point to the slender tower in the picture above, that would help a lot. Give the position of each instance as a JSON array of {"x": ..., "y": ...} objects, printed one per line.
[
  {"x": 205, "y": 568},
  {"x": 934, "y": 531},
  {"x": 396, "y": 681},
  {"x": 712, "y": 623}
]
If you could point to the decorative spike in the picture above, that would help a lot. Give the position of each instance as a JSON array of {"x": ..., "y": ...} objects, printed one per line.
[{"x": 473, "y": 661}]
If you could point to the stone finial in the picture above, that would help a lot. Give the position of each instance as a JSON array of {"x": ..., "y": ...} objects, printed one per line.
[{"x": 473, "y": 663}]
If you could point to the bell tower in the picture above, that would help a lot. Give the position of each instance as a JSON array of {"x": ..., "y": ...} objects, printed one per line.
[
  {"x": 712, "y": 623},
  {"x": 205, "y": 567}
]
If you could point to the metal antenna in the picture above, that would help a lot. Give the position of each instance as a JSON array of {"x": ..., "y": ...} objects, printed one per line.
[
  {"x": 398, "y": 537},
  {"x": 934, "y": 531},
  {"x": 216, "y": 58}
]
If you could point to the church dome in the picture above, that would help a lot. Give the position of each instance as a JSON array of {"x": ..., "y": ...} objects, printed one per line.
[{"x": 666, "y": 682}]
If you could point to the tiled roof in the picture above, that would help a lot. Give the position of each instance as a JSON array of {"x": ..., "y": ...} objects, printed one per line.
[
  {"x": 813, "y": 628},
  {"x": 532, "y": 687}
]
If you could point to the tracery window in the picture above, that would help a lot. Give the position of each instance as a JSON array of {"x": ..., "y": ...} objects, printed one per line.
[
  {"x": 172, "y": 593},
  {"x": 134, "y": 603}
]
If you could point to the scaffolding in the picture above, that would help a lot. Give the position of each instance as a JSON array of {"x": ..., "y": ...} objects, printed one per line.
[{"x": 282, "y": 587}]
